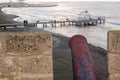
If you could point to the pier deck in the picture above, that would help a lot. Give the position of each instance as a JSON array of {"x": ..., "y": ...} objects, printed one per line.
[{"x": 80, "y": 22}]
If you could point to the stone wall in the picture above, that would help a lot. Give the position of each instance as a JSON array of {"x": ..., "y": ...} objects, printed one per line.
[
  {"x": 114, "y": 55},
  {"x": 26, "y": 56}
]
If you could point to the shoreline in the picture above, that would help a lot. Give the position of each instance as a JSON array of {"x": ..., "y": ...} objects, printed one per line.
[
  {"x": 7, "y": 18},
  {"x": 17, "y": 4},
  {"x": 62, "y": 53}
]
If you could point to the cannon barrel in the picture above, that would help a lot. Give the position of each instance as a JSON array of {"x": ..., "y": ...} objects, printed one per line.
[{"x": 84, "y": 67}]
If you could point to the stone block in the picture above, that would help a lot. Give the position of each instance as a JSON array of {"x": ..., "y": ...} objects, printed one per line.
[
  {"x": 26, "y": 55},
  {"x": 113, "y": 63},
  {"x": 114, "y": 77},
  {"x": 25, "y": 43},
  {"x": 8, "y": 66},
  {"x": 114, "y": 41},
  {"x": 6, "y": 79},
  {"x": 34, "y": 78},
  {"x": 38, "y": 64}
]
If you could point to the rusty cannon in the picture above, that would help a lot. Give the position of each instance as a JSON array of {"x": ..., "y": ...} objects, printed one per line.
[{"x": 84, "y": 67}]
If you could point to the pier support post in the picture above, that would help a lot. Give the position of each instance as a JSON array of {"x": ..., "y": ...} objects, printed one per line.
[
  {"x": 93, "y": 23},
  {"x": 84, "y": 67},
  {"x": 100, "y": 21},
  {"x": 43, "y": 25},
  {"x": 69, "y": 23},
  {"x": 84, "y": 24},
  {"x": 61, "y": 24},
  {"x": 52, "y": 24},
  {"x": 96, "y": 22},
  {"x": 4, "y": 27},
  {"x": 55, "y": 25}
]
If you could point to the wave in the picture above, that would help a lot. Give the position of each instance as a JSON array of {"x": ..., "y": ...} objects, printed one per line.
[{"x": 114, "y": 23}]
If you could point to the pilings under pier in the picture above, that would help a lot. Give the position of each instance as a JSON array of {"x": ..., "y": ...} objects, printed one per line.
[{"x": 88, "y": 22}]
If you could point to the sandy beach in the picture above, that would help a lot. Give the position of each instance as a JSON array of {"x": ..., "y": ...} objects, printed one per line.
[{"x": 62, "y": 55}]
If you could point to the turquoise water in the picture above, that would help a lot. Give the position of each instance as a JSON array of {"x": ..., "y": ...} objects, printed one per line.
[{"x": 96, "y": 35}]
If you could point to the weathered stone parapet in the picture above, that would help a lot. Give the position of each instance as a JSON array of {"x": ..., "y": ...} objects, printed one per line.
[
  {"x": 114, "y": 77},
  {"x": 114, "y": 41},
  {"x": 114, "y": 54},
  {"x": 25, "y": 43},
  {"x": 34, "y": 77},
  {"x": 26, "y": 55},
  {"x": 8, "y": 66},
  {"x": 38, "y": 64},
  {"x": 114, "y": 63}
]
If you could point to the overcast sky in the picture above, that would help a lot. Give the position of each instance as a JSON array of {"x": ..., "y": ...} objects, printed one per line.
[{"x": 55, "y": 0}]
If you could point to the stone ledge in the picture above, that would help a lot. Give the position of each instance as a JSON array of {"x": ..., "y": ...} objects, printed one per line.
[
  {"x": 33, "y": 78},
  {"x": 8, "y": 66},
  {"x": 36, "y": 65},
  {"x": 114, "y": 41},
  {"x": 26, "y": 54},
  {"x": 25, "y": 43},
  {"x": 113, "y": 63},
  {"x": 6, "y": 78},
  {"x": 114, "y": 77}
]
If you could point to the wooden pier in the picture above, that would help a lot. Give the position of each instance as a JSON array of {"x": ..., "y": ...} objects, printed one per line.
[
  {"x": 80, "y": 23},
  {"x": 85, "y": 22},
  {"x": 84, "y": 19}
]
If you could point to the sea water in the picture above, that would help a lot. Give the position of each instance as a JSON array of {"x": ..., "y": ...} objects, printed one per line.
[{"x": 96, "y": 35}]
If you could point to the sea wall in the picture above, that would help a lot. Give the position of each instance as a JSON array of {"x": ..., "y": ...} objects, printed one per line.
[
  {"x": 26, "y": 56},
  {"x": 114, "y": 55}
]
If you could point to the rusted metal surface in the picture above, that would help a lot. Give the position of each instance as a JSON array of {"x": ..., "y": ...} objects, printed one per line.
[{"x": 84, "y": 67}]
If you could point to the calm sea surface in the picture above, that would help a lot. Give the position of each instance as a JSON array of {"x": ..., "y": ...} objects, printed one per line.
[{"x": 96, "y": 35}]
